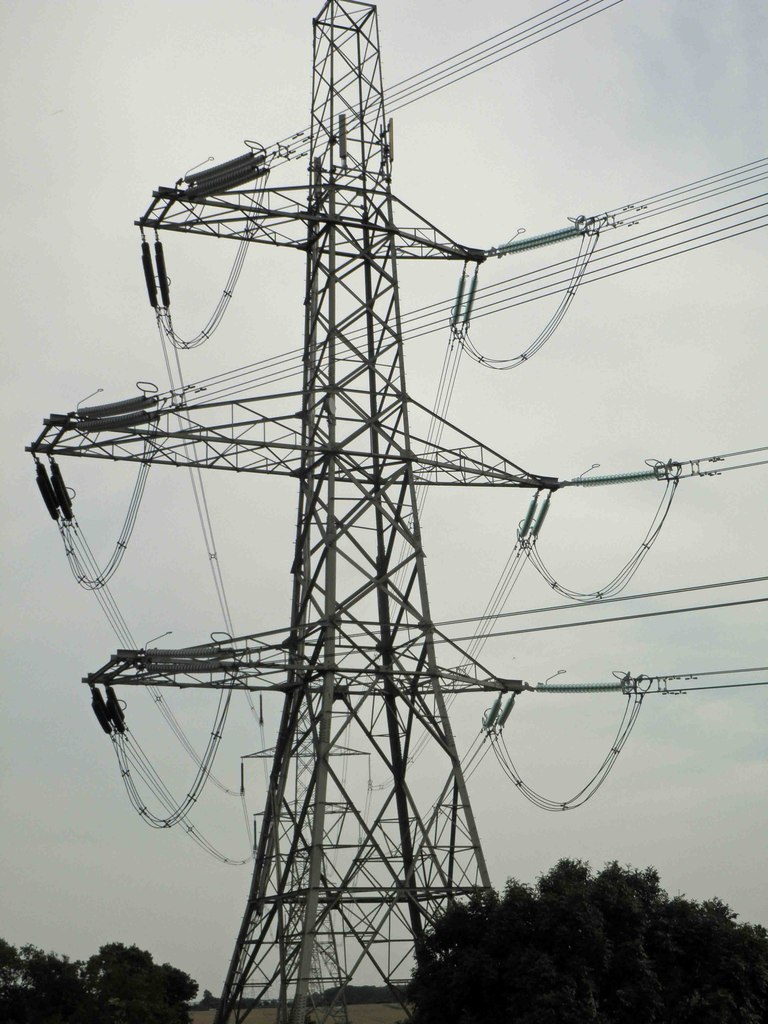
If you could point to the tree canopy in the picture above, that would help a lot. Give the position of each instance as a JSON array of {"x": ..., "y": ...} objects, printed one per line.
[
  {"x": 118, "y": 985},
  {"x": 585, "y": 947}
]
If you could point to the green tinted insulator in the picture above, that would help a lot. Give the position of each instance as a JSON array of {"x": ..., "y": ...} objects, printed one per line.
[
  {"x": 470, "y": 298},
  {"x": 578, "y": 688},
  {"x": 618, "y": 478},
  {"x": 506, "y": 712},
  {"x": 490, "y": 716},
  {"x": 536, "y": 241},
  {"x": 459, "y": 299},
  {"x": 523, "y": 531},
  {"x": 541, "y": 516}
]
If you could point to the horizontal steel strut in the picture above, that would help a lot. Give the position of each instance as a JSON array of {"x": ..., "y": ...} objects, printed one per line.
[{"x": 250, "y": 436}]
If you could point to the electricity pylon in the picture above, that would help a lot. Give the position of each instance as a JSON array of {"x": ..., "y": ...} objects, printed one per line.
[{"x": 350, "y": 866}]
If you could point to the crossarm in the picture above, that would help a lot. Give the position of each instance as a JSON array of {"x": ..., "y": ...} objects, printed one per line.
[
  {"x": 262, "y": 435},
  {"x": 243, "y": 435},
  {"x": 249, "y": 664},
  {"x": 278, "y": 216}
]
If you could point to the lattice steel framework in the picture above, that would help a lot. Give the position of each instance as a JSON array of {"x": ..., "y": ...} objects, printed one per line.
[
  {"x": 356, "y": 851},
  {"x": 357, "y": 882}
]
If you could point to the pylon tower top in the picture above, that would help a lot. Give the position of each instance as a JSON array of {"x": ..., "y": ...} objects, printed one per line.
[{"x": 348, "y": 123}]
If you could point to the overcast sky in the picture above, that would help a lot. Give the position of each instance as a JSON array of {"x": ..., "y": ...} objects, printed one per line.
[{"x": 104, "y": 102}]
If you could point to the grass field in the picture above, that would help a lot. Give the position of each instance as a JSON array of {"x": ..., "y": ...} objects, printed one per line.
[{"x": 362, "y": 1013}]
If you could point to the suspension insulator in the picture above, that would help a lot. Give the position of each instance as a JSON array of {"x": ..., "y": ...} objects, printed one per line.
[
  {"x": 459, "y": 299},
  {"x": 490, "y": 716},
  {"x": 114, "y": 711},
  {"x": 506, "y": 712},
  {"x": 46, "y": 489},
  {"x": 60, "y": 490},
  {"x": 526, "y": 525},
  {"x": 149, "y": 276},
  {"x": 100, "y": 710},
  {"x": 162, "y": 276},
  {"x": 541, "y": 517},
  {"x": 471, "y": 297}
]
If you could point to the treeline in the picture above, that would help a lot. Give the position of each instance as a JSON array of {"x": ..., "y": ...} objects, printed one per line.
[
  {"x": 353, "y": 994},
  {"x": 118, "y": 985},
  {"x": 591, "y": 947}
]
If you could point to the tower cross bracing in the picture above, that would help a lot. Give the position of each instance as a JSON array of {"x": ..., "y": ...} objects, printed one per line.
[{"x": 356, "y": 877}]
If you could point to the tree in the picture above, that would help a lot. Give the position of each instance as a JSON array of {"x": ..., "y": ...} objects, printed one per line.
[
  {"x": 208, "y": 1002},
  {"x": 40, "y": 988},
  {"x": 129, "y": 988},
  {"x": 118, "y": 985},
  {"x": 582, "y": 947}
]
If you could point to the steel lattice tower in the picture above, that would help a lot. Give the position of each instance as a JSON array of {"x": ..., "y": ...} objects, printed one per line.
[
  {"x": 327, "y": 873},
  {"x": 351, "y": 864}
]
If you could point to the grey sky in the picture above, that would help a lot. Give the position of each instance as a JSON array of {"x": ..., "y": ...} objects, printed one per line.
[{"x": 102, "y": 103}]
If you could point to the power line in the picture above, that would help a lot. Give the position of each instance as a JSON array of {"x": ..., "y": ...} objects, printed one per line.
[
  {"x": 643, "y": 209},
  {"x": 604, "y": 601},
  {"x": 694, "y": 689},
  {"x": 644, "y": 684},
  {"x": 447, "y": 60},
  {"x": 588, "y": 790},
  {"x": 710, "y": 672},
  {"x": 596, "y": 622},
  {"x": 517, "y": 44},
  {"x": 751, "y": 167},
  {"x": 527, "y": 287},
  {"x": 287, "y": 365},
  {"x": 504, "y": 44}
]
